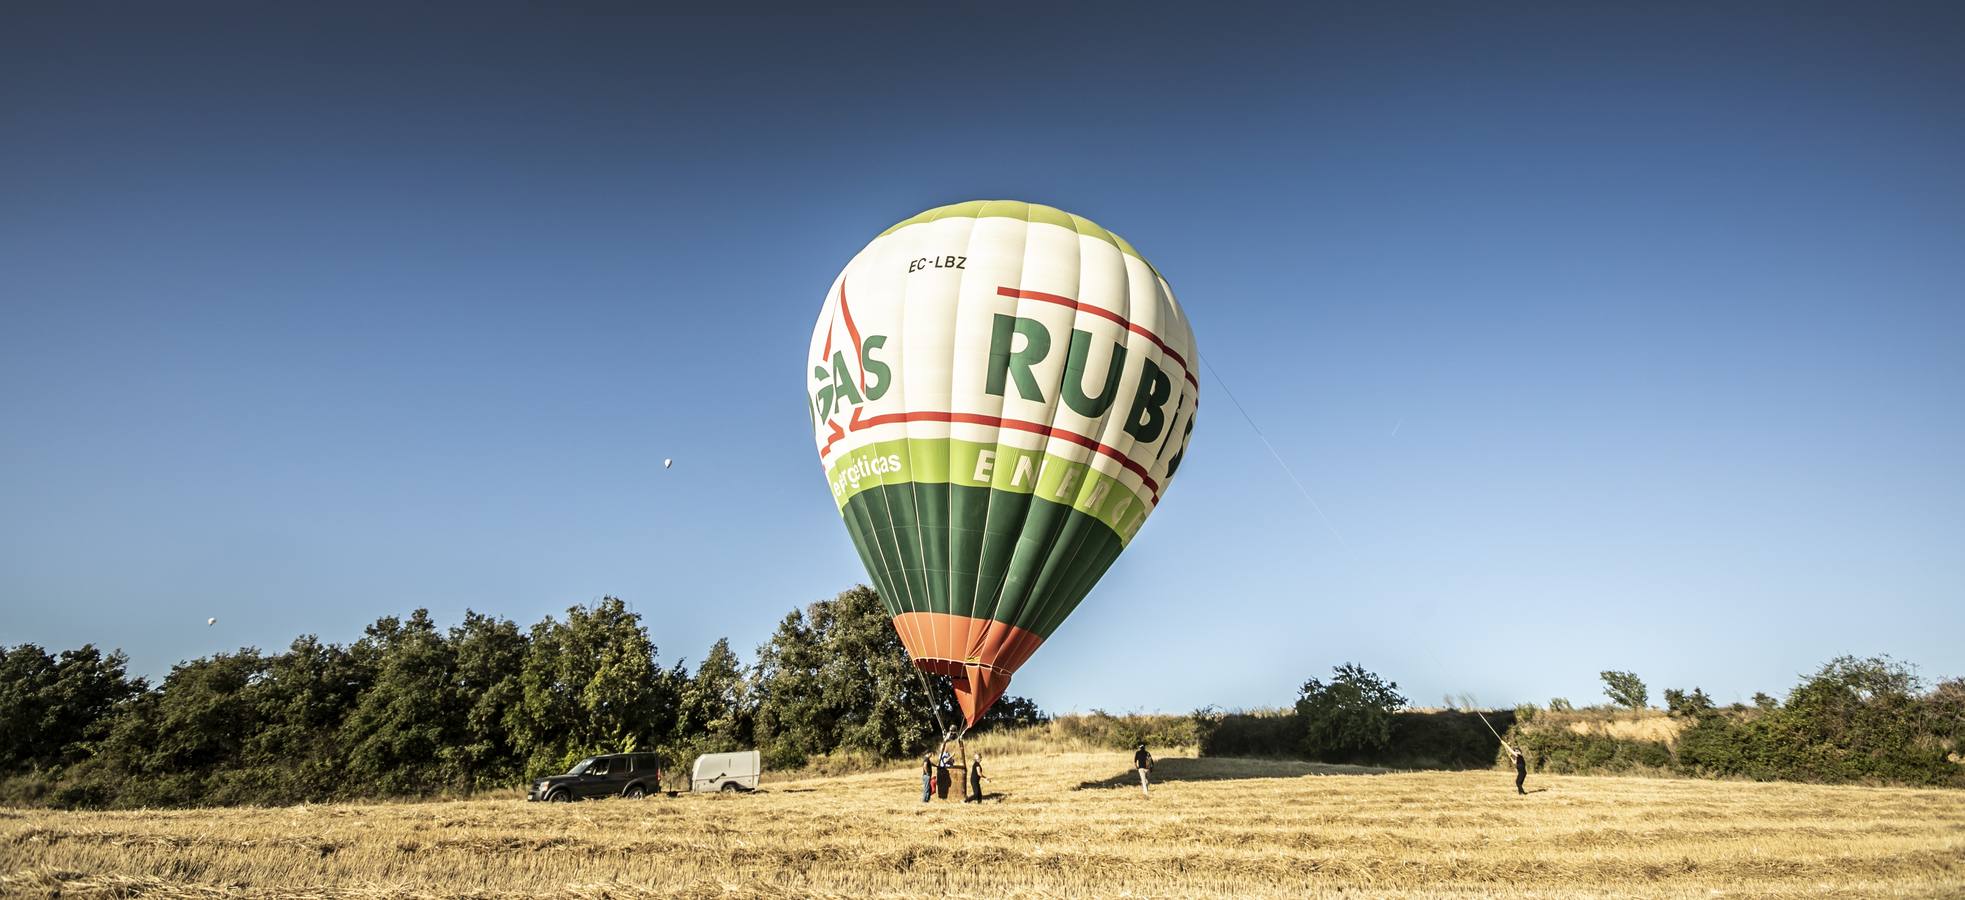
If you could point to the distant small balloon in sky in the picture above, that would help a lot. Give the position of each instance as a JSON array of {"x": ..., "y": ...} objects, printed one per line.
[
  {"x": 667, "y": 463},
  {"x": 211, "y": 621}
]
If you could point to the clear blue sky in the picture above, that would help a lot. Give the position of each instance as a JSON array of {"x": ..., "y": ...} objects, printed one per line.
[{"x": 1606, "y": 337}]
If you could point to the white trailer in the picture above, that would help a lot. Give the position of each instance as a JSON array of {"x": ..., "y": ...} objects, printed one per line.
[{"x": 726, "y": 771}]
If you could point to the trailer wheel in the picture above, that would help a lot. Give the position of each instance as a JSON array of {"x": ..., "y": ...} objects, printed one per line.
[{"x": 730, "y": 787}]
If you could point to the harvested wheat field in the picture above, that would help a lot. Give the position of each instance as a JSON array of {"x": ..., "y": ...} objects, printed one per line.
[{"x": 1060, "y": 824}]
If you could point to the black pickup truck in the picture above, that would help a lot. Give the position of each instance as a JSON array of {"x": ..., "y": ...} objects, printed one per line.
[{"x": 630, "y": 775}]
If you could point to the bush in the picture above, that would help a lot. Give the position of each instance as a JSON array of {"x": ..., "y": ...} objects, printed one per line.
[
  {"x": 1099, "y": 728},
  {"x": 1445, "y": 739},
  {"x": 1416, "y": 739},
  {"x": 1258, "y": 733},
  {"x": 1944, "y": 712},
  {"x": 1349, "y": 718},
  {"x": 1727, "y": 745},
  {"x": 1565, "y": 752},
  {"x": 1680, "y": 703},
  {"x": 1864, "y": 719}
]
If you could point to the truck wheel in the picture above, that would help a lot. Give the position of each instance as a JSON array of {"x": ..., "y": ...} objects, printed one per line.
[
  {"x": 730, "y": 787},
  {"x": 635, "y": 792},
  {"x": 559, "y": 796}
]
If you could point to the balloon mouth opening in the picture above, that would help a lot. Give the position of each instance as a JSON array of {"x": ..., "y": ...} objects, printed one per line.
[{"x": 977, "y": 686}]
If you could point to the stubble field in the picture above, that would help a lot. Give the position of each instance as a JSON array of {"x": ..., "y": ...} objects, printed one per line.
[{"x": 1056, "y": 825}]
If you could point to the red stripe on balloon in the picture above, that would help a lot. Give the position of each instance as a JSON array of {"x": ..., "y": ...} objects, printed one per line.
[
  {"x": 1105, "y": 314},
  {"x": 836, "y": 435},
  {"x": 854, "y": 331}
]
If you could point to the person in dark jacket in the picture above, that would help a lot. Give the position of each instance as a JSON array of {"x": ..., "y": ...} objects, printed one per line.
[
  {"x": 975, "y": 781},
  {"x": 1521, "y": 767},
  {"x": 1143, "y": 761},
  {"x": 927, "y": 776}
]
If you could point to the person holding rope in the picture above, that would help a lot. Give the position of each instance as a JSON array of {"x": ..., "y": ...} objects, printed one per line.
[
  {"x": 1514, "y": 753},
  {"x": 974, "y": 787}
]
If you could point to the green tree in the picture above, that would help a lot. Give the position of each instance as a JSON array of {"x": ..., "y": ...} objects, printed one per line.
[
  {"x": 592, "y": 685},
  {"x": 1625, "y": 689},
  {"x": 54, "y": 708},
  {"x": 490, "y": 661},
  {"x": 716, "y": 703},
  {"x": 835, "y": 676},
  {"x": 406, "y": 723},
  {"x": 300, "y": 706},
  {"x": 206, "y": 717},
  {"x": 168, "y": 745},
  {"x": 1350, "y": 716}
]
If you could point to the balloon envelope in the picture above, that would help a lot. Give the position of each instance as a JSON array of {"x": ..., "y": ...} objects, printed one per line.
[{"x": 1000, "y": 393}]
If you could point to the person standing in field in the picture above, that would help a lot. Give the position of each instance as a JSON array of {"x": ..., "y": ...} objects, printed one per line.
[
  {"x": 1521, "y": 767},
  {"x": 927, "y": 776},
  {"x": 975, "y": 781},
  {"x": 1143, "y": 761}
]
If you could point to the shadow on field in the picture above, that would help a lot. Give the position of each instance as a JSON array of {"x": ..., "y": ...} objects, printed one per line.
[{"x": 1213, "y": 769}]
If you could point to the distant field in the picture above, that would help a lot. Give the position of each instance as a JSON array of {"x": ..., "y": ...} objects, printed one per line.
[{"x": 1061, "y": 824}]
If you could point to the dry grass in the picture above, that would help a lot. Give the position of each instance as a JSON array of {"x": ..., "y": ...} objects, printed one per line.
[
  {"x": 1639, "y": 726},
  {"x": 1061, "y": 824}
]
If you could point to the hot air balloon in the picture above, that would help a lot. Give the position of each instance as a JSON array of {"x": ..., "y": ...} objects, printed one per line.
[{"x": 1000, "y": 393}]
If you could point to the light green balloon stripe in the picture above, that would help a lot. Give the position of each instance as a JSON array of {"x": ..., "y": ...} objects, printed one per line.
[{"x": 976, "y": 464}]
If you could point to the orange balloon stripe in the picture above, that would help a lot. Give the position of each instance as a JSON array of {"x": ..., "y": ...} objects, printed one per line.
[{"x": 979, "y": 654}]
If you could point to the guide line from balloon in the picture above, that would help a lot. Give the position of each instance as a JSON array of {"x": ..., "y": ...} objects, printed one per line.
[{"x": 1314, "y": 505}]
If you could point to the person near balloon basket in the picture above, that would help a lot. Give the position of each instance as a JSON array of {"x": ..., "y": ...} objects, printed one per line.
[{"x": 976, "y": 779}]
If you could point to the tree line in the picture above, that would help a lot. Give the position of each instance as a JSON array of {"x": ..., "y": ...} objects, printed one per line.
[
  {"x": 415, "y": 709},
  {"x": 1854, "y": 719},
  {"x": 1358, "y": 717}
]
